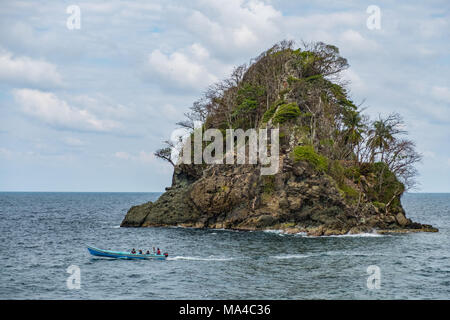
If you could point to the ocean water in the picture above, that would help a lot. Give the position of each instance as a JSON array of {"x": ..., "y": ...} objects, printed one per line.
[{"x": 42, "y": 234}]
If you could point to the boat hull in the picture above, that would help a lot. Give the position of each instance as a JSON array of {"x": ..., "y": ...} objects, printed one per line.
[{"x": 124, "y": 255}]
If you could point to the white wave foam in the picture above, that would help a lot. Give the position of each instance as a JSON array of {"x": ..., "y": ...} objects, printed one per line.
[
  {"x": 356, "y": 235},
  {"x": 348, "y": 235},
  {"x": 291, "y": 256},
  {"x": 115, "y": 227},
  {"x": 210, "y": 258},
  {"x": 274, "y": 231}
]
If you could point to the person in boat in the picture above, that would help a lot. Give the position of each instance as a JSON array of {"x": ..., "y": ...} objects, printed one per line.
[
  {"x": 133, "y": 251},
  {"x": 140, "y": 251},
  {"x": 153, "y": 250},
  {"x": 158, "y": 252},
  {"x": 148, "y": 252}
]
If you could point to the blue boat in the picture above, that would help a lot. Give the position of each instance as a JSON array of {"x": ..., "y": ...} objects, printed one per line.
[{"x": 125, "y": 255}]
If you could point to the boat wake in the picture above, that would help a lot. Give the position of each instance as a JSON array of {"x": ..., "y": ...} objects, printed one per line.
[
  {"x": 210, "y": 258},
  {"x": 291, "y": 256}
]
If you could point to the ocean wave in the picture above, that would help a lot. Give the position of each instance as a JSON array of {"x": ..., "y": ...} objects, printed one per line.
[
  {"x": 273, "y": 231},
  {"x": 348, "y": 235}
]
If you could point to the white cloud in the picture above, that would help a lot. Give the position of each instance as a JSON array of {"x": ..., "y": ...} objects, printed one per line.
[
  {"x": 146, "y": 157},
  {"x": 433, "y": 27},
  {"x": 328, "y": 21},
  {"x": 122, "y": 155},
  {"x": 429, "y": 154},
  {"x": 73, "y": 142},
  {"x": 48, "y": 108},
  {"x": 27, "y": 71},
  {"x": 5, "y": 153},
  {"x": 198, "y": 51},
  {"x": 441, "y": 93},
  {"x": 356, "y": 83},
  {"x": 233, "y": 27},
  {"x": 179, "y": 70},
  {"x": 143, "y": 157},
  {"x": 352, "y": 40},
  {"x": 169, "y": 112}
]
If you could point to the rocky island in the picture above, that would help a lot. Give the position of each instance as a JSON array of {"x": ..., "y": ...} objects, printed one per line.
[{"x": 338, "y": 172}]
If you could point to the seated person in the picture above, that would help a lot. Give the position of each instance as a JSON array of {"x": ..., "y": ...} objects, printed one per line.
[
  {"x": 133, "y": 251},
  {"x": 140, "y": 251},
  {"x": 158, "y": 252},
  {"x": 148, "y": 252}
]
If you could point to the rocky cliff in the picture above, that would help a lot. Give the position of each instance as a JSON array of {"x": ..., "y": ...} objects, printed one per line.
[{"x": 297, "y": 199}]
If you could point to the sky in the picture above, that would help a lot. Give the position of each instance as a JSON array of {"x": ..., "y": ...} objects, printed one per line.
[{"x": 83, "y": 109}]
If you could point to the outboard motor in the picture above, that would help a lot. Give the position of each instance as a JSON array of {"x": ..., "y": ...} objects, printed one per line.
[{"x": 166, "y": 254}]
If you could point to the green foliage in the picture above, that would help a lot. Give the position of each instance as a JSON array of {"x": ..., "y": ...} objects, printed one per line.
[
  {"x": 270, "y": 112},
  {"x": 305, "y": 61},
  {"x": 339, "y": 174},
  {"x": 284, "y": 91},
  {"x": 349, "y": 192},
  {"x": 292, "y": 80},
  {"x": 314, "y": 78},
  {"x": 379, "y": 205},
  {"x": 286, "y": 112},
  {"x": 352, "y": 173},
  {"x": 384, "y": 185},
  {"x": 337, "y": 171},
  {"x": 268, "y": 184},
  {"x": 340, "y": 94},
  {"x": 307, "y": 153},
  {"x": 326, "y": 142},
  {"x": 246, "y": 106},
  {"x": 248, "y": 99}
]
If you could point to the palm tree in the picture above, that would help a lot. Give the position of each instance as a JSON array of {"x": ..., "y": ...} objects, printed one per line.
[
  {"x": 355, "y": 127},
  {"x": 382, "y": 133}
]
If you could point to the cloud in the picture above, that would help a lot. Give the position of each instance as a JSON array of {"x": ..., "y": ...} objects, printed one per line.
[
  {"x": 352, "y": 40},
  {"x": 141, "y": 157},
  {"x": 73, "y": 142},
  {"x": 179, "y": 70},
  {"x": 5, "y": 153},
  {"x": 48, "y": 108},
  {"x": 441, "y": 93},
  {"x": 428, "y": 154},
  {"x": 26, "y": 71},
  {"x": 122, "y": 155},
  {"x": 234, "y": 27}
]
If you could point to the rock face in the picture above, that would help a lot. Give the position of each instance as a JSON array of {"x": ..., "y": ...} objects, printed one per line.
[{"x": 296, "y": 199}]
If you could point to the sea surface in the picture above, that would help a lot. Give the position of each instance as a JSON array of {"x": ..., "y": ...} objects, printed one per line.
[{"x": 43, "y": 234}]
